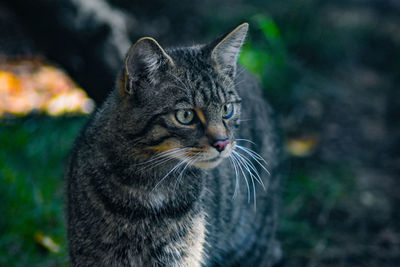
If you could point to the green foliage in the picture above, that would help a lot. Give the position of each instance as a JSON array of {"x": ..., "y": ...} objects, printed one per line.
[
  {"x": 32, "y": 159},
  {"x": 257, "y": 55},
  {"x": 265, "y": 55}
]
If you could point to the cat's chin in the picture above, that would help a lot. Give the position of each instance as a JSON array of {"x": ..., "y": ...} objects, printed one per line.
[{"x": 208, "y": 164}]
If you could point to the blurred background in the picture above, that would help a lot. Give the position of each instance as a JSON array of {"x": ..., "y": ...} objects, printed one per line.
[{"x": 331, "y": 70}]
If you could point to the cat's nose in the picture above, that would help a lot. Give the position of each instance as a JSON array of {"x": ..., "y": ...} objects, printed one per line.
[{"x": 220, "y": 144}]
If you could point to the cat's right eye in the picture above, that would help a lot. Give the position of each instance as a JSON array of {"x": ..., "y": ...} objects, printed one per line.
[
  {"x": 227, "y": 111},
  {"x": 184, "y": 116}
]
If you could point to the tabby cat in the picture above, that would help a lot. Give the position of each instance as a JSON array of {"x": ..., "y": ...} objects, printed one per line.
[{"x": 179, "y": 166}]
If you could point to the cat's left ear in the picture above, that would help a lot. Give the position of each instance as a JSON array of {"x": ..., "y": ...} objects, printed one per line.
[
  {"x": 145, "y": 62},
  {"x": 225, "y": 51}
]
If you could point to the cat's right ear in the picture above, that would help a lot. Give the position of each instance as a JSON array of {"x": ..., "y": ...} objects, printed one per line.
[
  {"x": 144, "y": 62},
  {"x": 226, "y": 49}
]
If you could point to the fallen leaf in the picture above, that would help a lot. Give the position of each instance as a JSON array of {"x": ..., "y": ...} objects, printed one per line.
[{"x": 302, "y": 146}]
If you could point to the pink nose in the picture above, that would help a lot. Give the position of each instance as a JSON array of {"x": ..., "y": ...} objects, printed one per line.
[{"x": 221, "y": 144}]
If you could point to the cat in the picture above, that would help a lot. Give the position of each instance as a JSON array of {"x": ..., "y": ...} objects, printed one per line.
[{"x": 163, "y": 173}]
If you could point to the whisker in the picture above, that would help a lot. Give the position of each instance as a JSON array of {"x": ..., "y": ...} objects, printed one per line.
[
  {"x": 251, "y": 175},
  {"x": 254, "y": 194},
  {"x": 236, "y": 177},
  {"x": 189, "y": 162},
  {"x": 172, "y": 156},
  {"x": 169, "y": 172},
  {"x": 246, "y": 140},
  {"x": 244, "y": 176},
  {"x": 255, "y": 156},
  {"x": 244, "y": 162},
  {"x": 160, "y": 155},
  {"x": 258, "y": 156},
  {"x": 239, "y": 82},
  {"x": 240, "y": 72},
  {"x": 167, "y": 158},
  {"x": 248, "y": 164}
]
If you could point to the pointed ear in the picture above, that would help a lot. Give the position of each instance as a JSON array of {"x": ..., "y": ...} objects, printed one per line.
[
  {"x": 145, "y": 61},
  {"x": 226, "y": 52}
]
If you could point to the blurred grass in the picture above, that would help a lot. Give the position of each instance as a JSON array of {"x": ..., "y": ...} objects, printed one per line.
[
  {"x": 314, "y": 205},
  {"x": 33, "y": 154}
]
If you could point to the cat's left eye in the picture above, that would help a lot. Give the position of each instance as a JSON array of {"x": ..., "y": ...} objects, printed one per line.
[
  {"x": 227, "y": 110},
  {"x": 184, "y": 116}
]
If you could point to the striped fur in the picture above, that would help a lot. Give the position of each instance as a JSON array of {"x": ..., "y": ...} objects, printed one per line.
[{"x": 146, "y": 190}]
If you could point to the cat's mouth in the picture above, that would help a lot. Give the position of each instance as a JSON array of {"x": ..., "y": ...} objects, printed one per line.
[{"x": 215, "y": 159}]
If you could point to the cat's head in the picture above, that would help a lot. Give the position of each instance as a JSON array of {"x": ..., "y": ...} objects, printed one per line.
[{"x": 183, "y": 101}]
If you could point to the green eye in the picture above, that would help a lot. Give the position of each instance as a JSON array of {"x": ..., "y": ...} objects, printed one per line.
[
  {"x": 184, "y": 116},
  {"x": 227, "y": 111}
]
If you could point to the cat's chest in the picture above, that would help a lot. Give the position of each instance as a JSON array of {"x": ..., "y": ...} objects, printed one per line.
[
  {"x": 195, "y": 241},
  {"x": 190, "y": 247}
]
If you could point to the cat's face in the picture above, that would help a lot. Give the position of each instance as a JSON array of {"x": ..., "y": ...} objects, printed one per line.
[
  {"x": 185, "y": 100},
  {"x": 199, "y": 116}
]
